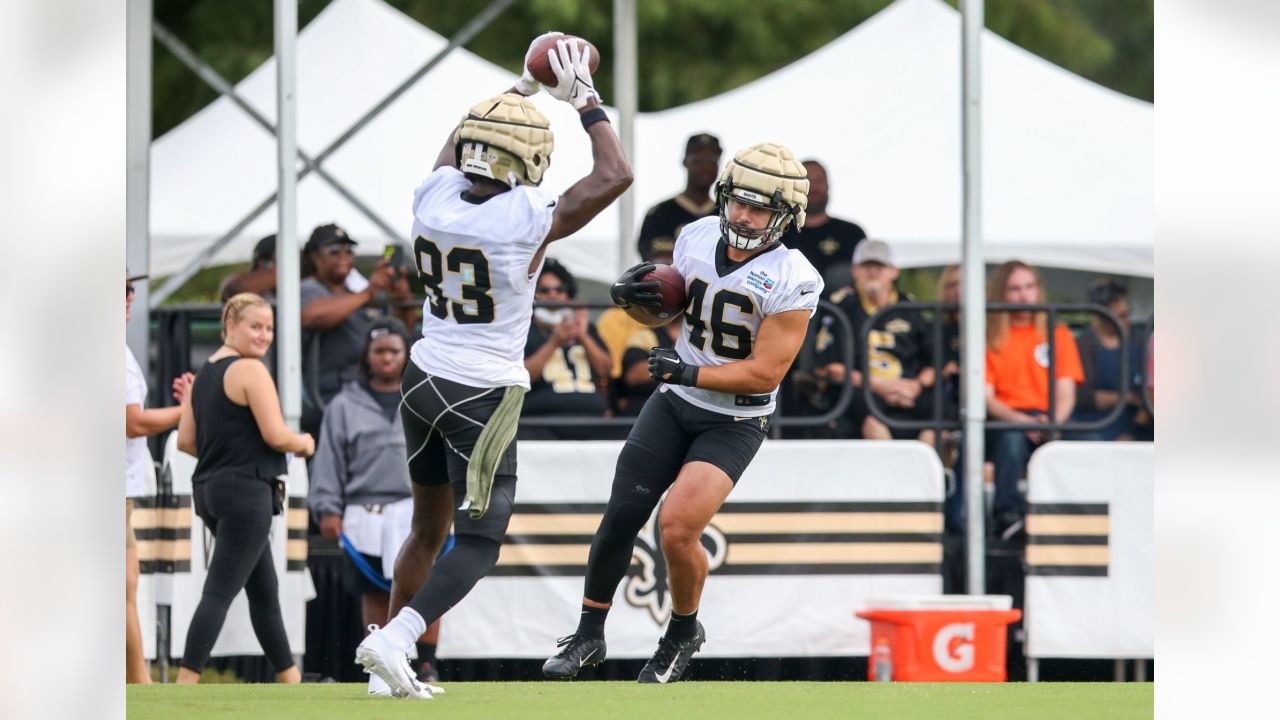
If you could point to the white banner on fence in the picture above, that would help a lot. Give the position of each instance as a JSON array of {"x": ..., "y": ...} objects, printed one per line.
[
  {"x": 1090, "y": 551},
  {"x": 813, "y": 530},
  {"x": 288, "y": 545}
]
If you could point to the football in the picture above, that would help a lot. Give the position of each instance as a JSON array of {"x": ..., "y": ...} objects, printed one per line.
[
  {"x": 671, "y": 288},
  {"x": 540, "y": 66}
]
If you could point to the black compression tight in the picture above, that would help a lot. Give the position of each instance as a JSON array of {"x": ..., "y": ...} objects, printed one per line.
[{"x": 237, "y": 510}]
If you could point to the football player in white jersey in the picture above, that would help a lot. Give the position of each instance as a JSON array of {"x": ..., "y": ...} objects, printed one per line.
[
  {"x": 749, "y": 303},
  {"x": 481, "y": 228}
]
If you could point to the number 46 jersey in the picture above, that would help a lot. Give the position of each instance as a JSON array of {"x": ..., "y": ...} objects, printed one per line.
[
  {"x": 473, "y": 257},
  {"x": 727, "y": 302}
]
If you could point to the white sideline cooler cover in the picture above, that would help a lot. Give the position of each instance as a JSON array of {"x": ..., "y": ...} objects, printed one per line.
[
  {"x": 1091, "y": 551},
  {"x": 296, "y": 588},
  {"x": 811, "y": 532}
]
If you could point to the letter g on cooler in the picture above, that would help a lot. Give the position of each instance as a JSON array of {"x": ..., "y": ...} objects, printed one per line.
[{"x": 953, "y": 648}]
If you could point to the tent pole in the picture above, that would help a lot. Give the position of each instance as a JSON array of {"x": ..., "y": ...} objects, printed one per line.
[
  {"x": 462, "y": 37},
  {"x": 288, "y": 305},
  {"x": 211, "y": 78},
  {"x": 973, "y": 310},
  {"x": 137, "y": 172},
  {"x": 625, "y": 87}
]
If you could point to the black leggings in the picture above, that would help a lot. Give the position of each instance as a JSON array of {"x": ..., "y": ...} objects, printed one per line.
[{"x": 237, "y": 511}]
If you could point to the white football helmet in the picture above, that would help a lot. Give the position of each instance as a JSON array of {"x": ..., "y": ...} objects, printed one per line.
[
  {"x": 765, "y": 175},
  {"x": 506, "y": 139}
]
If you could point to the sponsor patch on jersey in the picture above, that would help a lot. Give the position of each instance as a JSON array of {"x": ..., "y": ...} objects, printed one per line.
[
  {"x": 760, "y": 281},
  {"x": 898, "y": 325}
]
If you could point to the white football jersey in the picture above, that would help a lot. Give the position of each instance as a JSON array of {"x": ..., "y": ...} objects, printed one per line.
[
  {"x": 727, "y": 301},
  {"x": 473, "y": 257}
]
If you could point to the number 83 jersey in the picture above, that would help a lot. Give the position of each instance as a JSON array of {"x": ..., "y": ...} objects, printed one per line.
[
  {"x": 727, "y": 301},
  {"x": 473, "y": 257}
]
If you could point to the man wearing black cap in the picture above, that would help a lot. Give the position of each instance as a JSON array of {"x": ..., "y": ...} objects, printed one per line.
[
  {"x": 827, "y": 242},
  {"x": 337, "y": 317},
  {"x": 260, "y": 278},
  {"x": 663, "y": 221}
]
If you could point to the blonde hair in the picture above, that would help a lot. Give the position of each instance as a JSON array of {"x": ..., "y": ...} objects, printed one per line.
[
  {"x": 236, "y": 306},
  {"x": 998, "y": 321}
]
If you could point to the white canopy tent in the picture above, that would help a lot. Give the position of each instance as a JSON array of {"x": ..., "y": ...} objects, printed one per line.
[{"x": 1067, "y": 164}]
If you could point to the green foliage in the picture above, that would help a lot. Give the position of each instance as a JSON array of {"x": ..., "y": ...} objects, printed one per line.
[{"x": 689, "y": 49}]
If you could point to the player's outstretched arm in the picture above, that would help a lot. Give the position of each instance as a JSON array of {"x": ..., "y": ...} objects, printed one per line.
[
  {"x": 610, "y": 174},
  {"x": 777, "y": 343}
]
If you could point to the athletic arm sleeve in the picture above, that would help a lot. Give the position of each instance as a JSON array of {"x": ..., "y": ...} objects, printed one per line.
[{"x": 329, "y": 469}]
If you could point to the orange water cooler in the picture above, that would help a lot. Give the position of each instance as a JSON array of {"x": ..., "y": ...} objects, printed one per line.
[{"x": 940, "y": 638}]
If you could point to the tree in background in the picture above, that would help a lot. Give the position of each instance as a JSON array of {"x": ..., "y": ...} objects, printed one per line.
[{"x": 690, "y": 49}]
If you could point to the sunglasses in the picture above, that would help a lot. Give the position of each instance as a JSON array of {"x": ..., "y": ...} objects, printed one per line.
[
  {"x": 128, "y": 290},
  {"x": 336, "y": 250},
  {"x": 548, "y": 289}
]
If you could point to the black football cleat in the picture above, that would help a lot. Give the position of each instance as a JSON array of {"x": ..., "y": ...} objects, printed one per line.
[
  {"x": 578, "y": 651},
  {"x": 668, "y": 664}
]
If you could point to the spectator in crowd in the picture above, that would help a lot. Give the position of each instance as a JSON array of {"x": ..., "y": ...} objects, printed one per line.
[
  {"x": 360, "y": 482},
  {"x": 338, "y": 318},
  {"x": 949, "y": 383},
  {"x": 139, "y": 422},
  {"x": 827, "y": 242},
  {"x": 663, "y": 222},
  {"x": 899, "y": 355},
  {"x": 260, "y": 278},
  {"x": 231, "y": 423},
  {"x": 1018, "y": 385},
  {"x": 1103, "y": 388},
  {"x": 565, "y": 357}
]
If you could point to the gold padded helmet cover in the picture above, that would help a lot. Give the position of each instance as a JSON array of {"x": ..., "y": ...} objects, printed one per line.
[
  {"x": 765, "y": 175},
  {"x": 505, "y": 138}
]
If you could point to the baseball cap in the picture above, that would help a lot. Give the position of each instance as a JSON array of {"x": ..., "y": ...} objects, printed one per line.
[
  {"x": 326, "y": 235},
  {"x": 702, "y": 141},
  {"x": 873, "y": 251},
  {"x": 266, "y": 248}
]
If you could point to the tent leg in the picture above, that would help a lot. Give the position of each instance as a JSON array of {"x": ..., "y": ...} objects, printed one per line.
[{"x": 1033, "y": 669}]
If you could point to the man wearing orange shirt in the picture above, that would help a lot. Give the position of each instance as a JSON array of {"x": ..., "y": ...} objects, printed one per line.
[{"x": 1018, "y": 385}]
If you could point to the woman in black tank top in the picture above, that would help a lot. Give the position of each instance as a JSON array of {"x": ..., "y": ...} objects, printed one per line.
[{"x": 231, "y": 422}]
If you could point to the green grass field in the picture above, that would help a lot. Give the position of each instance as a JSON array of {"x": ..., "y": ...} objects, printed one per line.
[{"x": 619, "y": 700}]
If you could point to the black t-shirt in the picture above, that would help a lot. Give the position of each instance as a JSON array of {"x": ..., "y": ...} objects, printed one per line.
[
  {"x": 898, "y": 342},
  {"x": 664, "y": 221},
  {"x": 829, "y": 247},
  {"x": 567, "y": 386},
  {"x": 632, "y": 398},
  {"x": 388, "y": 401}
]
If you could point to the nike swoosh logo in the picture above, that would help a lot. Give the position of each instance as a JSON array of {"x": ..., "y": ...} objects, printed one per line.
[
  {"x": 590, "y": 655},
  {"x": 665, "y": 676},
  {"x": 805, "y": 292}
]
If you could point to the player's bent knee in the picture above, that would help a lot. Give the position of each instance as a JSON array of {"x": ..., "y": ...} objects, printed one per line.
[{"x": 678, "y": 534}]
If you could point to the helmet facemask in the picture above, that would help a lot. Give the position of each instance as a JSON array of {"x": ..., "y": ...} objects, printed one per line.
[
  {"x": 766, "y": 176},
  {"x": 744, "y": 237}
]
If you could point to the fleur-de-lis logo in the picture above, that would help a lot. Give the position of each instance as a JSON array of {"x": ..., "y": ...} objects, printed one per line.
[{"x": 646, "y": 585}]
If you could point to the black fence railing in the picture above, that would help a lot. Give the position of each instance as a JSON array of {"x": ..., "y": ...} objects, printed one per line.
[{"x": 939, "y": 310}]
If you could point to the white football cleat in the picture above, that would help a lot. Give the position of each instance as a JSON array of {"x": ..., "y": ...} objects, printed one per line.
[
  {"x": 378, "y": 687},
  {"x": 378, "y": 655}
]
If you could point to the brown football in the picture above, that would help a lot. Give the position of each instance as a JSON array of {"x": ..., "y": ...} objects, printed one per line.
[
  {"x": 671, "y": 288},
  {"x": 540, "y": 65}
]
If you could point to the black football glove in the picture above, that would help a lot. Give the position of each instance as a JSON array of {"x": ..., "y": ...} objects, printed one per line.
[
  {"x": 631, "y": 290},
  {"x": 666, "y": 366}
]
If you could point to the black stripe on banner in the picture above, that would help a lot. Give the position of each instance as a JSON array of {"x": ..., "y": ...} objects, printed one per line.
[
  {"x": 1067, "y": 539},
  {"x": 165, "y": 566},
  {"x": 295, "y": 565},
  {"x": 162, "y": 501},
  {"x": 297, "y": 533},
  {"x": 162, "y": 533},
  {"x": 749, "y": 507},
  {"x": 833, "y": 506},
  {"x": 1068, "y": 508},
  {"x": 1067, "y": 570},
  {"x": 739, "y": 538},
  {"x": 731, "y": 569},
  {"x": 831, "y": 569}
]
